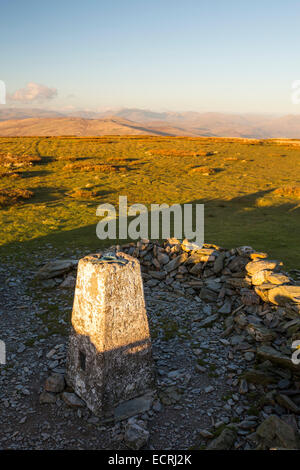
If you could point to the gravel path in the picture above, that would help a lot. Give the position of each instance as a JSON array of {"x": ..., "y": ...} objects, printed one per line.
[{"x": 197, "y": 374}]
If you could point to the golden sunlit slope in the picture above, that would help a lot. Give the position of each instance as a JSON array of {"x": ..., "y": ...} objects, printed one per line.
[
  {"x": 74, "y": 126},
  {"x": 35, "y": 122},
  {"x": 50, "y": 188}
]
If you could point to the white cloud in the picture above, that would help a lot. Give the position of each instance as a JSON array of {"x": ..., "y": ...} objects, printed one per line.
[{"x": 33, "y": 92}]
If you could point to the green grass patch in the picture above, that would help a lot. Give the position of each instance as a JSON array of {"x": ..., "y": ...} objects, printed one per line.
[{"x": 242, "y": 206}]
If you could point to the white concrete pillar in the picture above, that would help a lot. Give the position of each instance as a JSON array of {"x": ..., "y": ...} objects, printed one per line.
[{"x": 109, "y": 356}]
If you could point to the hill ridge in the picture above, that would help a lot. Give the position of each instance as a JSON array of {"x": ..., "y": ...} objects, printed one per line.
[{"x": 160, "y": 124}]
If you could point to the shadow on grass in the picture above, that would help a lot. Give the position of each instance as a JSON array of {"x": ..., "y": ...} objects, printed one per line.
[
  {"x": 45, "y": 160},
  {"x": 243, "y": 221},
  {"x": 229, "y": 223},
  {"x": 44, "y": 194},
  {"x": 33, "y": 174},
  {"x": 73, "y": 159}
]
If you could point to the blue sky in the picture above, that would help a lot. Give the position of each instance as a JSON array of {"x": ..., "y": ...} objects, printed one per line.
[{"x": 228, "y": 56}]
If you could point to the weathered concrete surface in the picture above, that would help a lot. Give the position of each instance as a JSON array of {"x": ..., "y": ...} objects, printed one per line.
[{"x": 109, "y": 356}]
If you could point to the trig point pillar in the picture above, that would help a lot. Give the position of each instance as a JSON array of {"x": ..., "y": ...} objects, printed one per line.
[{"x": 109, "y": 357}]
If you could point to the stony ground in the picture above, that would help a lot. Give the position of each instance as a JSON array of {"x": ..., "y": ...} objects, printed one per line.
[{"x": 199, "y": 387}]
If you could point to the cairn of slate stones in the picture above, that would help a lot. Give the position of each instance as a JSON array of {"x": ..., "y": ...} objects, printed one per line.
[
  {"x": 225, "y": 277},
  {"x": 258, "y": 301}
]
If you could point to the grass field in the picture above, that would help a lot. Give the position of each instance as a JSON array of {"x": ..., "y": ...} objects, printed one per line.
[{"x": 50, "y": 188}]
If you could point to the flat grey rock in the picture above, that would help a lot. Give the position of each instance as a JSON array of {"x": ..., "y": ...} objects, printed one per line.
[{"x": 133, "y": 407}]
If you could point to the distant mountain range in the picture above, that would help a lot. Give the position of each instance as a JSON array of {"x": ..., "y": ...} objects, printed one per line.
[{"x": 26, "y": 122}]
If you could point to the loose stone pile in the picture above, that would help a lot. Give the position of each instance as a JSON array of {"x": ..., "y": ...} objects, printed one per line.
[
  {"x": 216, "y": 275},
  {"x": 250, "y": 303}
]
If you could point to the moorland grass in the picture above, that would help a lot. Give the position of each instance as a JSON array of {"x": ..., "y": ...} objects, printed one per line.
[{"x": 71, "y": 176}]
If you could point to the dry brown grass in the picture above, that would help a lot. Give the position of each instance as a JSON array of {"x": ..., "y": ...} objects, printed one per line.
[
  {"x": 101, "y": 168},
  {"x": 177, "y": 153},
  {"x": 289, "y": 191},
  {"x": 116, "y": 160},
  {"x": 9, "y": 197},
  {"x": 83, "y": 194},
  {"x": 203, "y": 170},
  {"x": 68, "y": 158},
  {"x": 9, "y": 174},
  {"x": 17, "y": 161}
]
